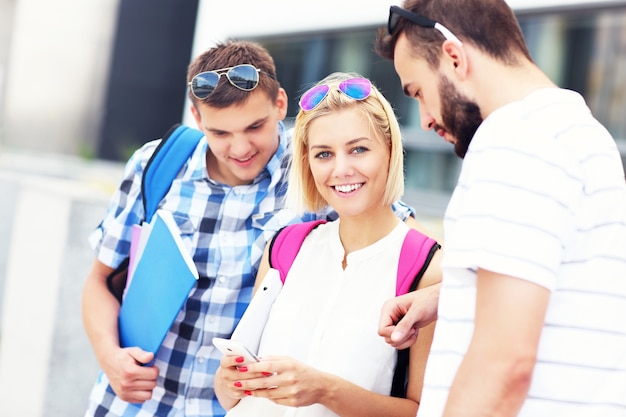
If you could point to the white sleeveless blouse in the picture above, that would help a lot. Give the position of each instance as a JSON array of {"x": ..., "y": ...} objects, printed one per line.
[{"x": 327, "y": 317}]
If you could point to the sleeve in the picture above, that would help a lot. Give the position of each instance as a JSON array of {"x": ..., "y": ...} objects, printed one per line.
[
  {"x": 402, "y": 210},
  {"x": 111, "y": 239}
]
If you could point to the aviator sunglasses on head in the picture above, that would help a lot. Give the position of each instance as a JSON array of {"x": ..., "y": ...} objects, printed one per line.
[
  {"x": 245, "y": 77},
  {"x": 395, "y": 13},
  {"x": 355, "y": 88}
]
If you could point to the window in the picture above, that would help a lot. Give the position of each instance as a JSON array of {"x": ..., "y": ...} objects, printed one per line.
[{"x": 582, "y": 50}]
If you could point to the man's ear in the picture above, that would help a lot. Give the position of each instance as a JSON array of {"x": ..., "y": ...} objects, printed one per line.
[
  {"x": 282, "y": 103},
  {"x": 455, "y": 58}
]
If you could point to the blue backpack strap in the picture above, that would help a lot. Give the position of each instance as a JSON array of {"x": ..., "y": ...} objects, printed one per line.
[
  {"x": 286, "y": 243},
  {"x": 165, "y": 163},
  {"x": 417, "y": 251}
]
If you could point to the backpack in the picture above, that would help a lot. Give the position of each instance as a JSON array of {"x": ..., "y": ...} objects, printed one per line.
[
  {"x": 415, "y": 256},
  {"x": 168, "y": 158}
]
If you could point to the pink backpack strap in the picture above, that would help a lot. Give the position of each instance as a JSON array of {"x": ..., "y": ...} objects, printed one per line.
[
  {"x": 417, "y": 251},
  {"x": 286, "y": 245}
]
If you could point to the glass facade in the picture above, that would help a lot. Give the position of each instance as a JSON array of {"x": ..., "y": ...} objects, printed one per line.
[{"x": 583, "y": 50}]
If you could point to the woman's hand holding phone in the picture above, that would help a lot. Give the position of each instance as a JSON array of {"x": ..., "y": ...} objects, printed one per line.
[{"x": 231, "y": 347}]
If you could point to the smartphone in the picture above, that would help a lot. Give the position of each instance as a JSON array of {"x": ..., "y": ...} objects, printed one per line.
[{"x": 234, "y": 348}]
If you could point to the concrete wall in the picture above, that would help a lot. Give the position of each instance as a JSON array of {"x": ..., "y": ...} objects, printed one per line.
[{"x": 50, "y": 203}]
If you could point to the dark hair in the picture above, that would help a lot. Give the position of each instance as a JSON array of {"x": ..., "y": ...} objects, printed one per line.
[
  {"x": 228, "y": 54},
  {"x": 489, "y": 25}
]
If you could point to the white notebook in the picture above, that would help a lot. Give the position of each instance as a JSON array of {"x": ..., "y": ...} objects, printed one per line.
[{"x": 252, "y": 323}]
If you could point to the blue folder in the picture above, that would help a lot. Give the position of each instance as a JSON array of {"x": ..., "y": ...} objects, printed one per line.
[{"x": 163, "y": 277}]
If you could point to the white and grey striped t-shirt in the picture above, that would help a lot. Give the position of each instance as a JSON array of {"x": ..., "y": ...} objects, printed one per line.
[{"x": 542, "y": 196}]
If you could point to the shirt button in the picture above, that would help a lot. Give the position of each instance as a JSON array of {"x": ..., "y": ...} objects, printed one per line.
[
  {"x": 201, "y": 360},
  {"x": 211, "y": 319},
  {"x": 222, "y": 279}
]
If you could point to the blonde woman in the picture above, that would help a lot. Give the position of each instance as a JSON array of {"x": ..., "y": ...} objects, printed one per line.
[{"x": 320, "y": 351}]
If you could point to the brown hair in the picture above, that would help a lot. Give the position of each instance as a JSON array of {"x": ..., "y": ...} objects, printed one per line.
[
  {"x": 489, "y": 25},
  {"x": 229, "y": 54}
]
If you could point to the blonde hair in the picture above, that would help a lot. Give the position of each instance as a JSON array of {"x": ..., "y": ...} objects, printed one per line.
[{"x": 302, "y": 194}]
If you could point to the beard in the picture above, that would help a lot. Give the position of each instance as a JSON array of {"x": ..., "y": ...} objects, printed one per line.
[{"x": 461, "y": 116}]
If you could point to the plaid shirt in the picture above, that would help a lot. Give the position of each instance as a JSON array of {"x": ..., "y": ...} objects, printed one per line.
[{"x": 226, "y": 230}]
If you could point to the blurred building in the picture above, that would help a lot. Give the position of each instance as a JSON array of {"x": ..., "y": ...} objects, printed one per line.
[
  {"x": 92, "y": 78},
  {"x": 99, "y": 78},
  {"x": 581, "y": 45}
]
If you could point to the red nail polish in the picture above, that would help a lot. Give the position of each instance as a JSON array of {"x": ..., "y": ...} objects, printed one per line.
[
  {"x": 238, "y": 384},
  {"x": 247, "y": 392},
  {"x": 267, "y": 373},
  {"x": 239, "y": 359},
  {"x": 243, "y": 369}
]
